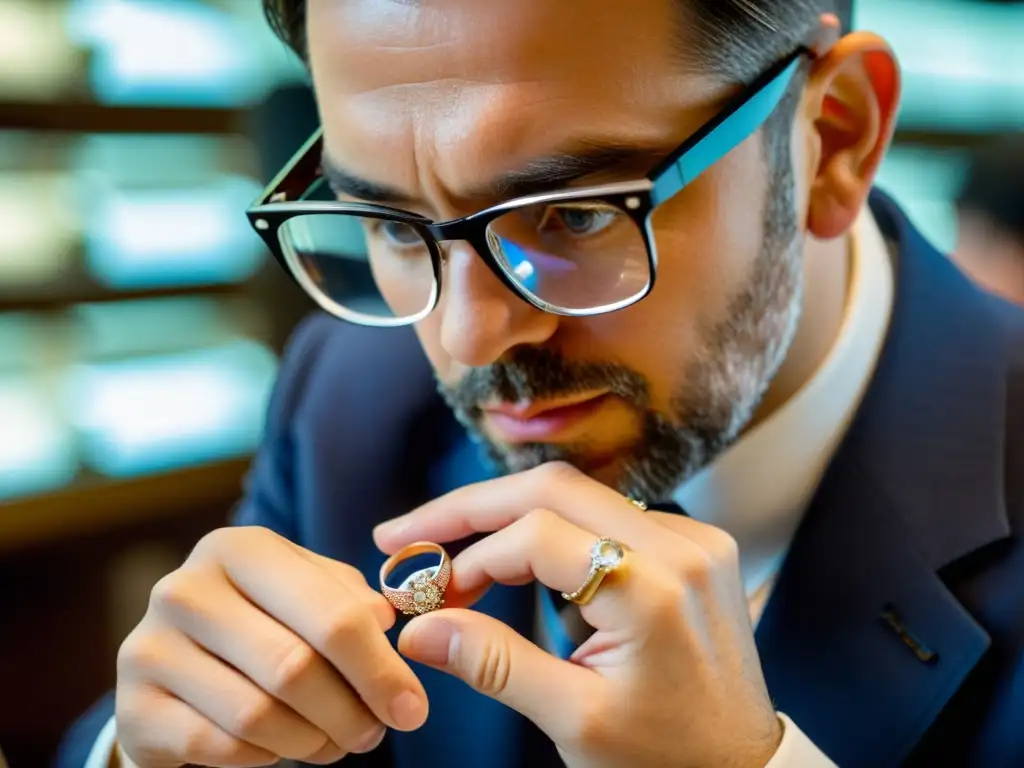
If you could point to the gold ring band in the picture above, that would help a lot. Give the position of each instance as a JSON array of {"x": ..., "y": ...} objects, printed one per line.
[
  {"x": 606, "y": 555},
  {"x": 424, "y": 590}
]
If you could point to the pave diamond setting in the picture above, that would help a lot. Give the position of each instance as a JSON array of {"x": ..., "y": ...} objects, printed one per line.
[{"x": 426, "y": 596}]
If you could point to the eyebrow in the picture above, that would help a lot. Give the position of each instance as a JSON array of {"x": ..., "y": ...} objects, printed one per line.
[{"x": 581, "y": 160}]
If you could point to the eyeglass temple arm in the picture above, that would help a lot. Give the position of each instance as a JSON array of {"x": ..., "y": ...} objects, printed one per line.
[
  {"x": 292, "y": 181},
  {"x": 738, "y": 122},
  {"x": 733, "y": 126}
]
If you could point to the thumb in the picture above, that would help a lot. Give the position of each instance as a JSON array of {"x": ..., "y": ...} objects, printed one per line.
[{"x": 499, "y": 662}]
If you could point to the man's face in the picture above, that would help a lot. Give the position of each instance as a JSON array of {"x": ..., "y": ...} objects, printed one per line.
[{"x": 440, "y": 97}]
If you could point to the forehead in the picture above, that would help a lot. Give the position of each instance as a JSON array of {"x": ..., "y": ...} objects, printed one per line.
[{"x": 473, "y": 87}]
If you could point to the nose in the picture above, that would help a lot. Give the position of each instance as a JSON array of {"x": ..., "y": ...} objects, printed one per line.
[{"x": 481, "y": 318}]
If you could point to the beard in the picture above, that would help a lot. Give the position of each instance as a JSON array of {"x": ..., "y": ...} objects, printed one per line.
[{"x": 722, "y": 385}]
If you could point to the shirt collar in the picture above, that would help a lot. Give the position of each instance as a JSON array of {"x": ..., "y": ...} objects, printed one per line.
[{"x": 759, "y": 489}]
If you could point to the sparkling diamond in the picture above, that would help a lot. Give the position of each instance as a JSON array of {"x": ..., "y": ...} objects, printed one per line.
[
  {"x": 426, "y": 597},
  {"x": 606, "y": 553}
]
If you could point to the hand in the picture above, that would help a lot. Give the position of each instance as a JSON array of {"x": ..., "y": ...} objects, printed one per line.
[
  {"x": 670, "y": 677},
  {"x": 257, "y": 650}
]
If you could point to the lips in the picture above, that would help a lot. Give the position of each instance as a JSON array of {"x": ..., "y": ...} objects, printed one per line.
[{"x": 542, "y": 421}]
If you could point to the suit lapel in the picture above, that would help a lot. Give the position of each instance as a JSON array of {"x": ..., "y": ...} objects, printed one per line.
[{"x": 862, "y": 643}]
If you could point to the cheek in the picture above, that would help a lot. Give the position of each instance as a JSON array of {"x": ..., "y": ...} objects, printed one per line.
[
  {"x": 709, "y": 236},
  {"x": 708, "y": 239}
]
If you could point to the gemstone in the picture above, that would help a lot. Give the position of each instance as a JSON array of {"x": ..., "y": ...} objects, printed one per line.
[
  {"x": 426, "y": 597},
  {"x": 606, "y": 553}
]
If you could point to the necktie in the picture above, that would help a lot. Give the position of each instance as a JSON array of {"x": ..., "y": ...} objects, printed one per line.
[{"x": 564, "y": 628}]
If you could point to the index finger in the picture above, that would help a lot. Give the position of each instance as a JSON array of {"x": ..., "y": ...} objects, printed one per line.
[{"x": 495, "y": 504}]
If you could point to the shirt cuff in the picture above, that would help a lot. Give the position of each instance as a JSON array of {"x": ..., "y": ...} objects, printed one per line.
[
  {"x": 103, "y": 749},
  {"x": 796, "y": 749}
]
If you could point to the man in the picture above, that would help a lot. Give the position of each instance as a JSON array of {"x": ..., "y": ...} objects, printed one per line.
[
  {"x": 990, "y": 217},
  {"x": 834, "y": 407}
]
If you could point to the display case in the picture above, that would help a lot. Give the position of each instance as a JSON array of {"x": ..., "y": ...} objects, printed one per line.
[{"x": 136, "y": 356}]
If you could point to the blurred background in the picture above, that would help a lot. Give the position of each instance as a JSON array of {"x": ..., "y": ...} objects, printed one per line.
[{"x": 141, "y": 320}]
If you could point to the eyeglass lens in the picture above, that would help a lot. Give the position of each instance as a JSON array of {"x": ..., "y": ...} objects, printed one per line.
[
  {"x": 575, "y": 255},
  {"x": 369, "y": 266}
]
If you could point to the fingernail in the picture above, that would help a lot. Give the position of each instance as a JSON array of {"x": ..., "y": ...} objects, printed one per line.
[
  {"x": 371, "y": 741},
  {"x": 408, "y": 711},
  {"x": 433, "y": 642}
]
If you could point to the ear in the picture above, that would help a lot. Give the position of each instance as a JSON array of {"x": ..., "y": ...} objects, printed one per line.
[{"x": 852, "y": 99}]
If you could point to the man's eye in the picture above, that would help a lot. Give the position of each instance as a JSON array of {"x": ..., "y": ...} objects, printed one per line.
[
  {"x": 401, "y": 234},
  {"x": 581, "y": 219},
  {"x": 394, "y": 233}
]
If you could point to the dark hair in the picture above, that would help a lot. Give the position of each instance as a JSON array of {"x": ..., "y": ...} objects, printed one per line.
[
  {"x": 734, "y": 38},
  {"x": 994, "y": 184}
]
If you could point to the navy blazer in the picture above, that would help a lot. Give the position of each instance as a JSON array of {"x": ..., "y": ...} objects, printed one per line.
[{"x": 895, "y": 632}]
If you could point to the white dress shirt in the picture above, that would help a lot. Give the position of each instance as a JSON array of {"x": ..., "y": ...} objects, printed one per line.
[{"x": 759, "y": 489}]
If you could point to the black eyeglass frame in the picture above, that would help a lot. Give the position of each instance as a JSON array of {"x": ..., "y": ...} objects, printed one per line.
[{"x": 744, "y": 114}]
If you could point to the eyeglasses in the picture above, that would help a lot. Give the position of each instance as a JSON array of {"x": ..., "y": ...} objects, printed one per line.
[{"x": 576, "y": 252}]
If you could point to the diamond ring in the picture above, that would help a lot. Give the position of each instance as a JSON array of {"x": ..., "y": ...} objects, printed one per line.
[
  {"x": 605, "y": 556},
  {"x": 422, "y": 590}
]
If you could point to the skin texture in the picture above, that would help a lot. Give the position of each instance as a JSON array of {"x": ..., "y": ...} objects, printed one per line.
[
  {"x": 436, "y": 100},
  {"x": 257, "y": 649}
]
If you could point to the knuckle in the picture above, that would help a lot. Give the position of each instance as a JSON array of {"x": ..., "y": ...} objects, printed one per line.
[
  {"x": 345, "y": 626},
  {"x": 140, "y": 654},
  {"x": 723, "y": 548},
  {"x": 297, "y": 663},
  {"x": 556, "y": 472},
  {"x": 253, "y": 717},
  {"x": 536, "y": 521},
  {"x": 492, "y": 668},
  {"x": 222, "y": 540},
  {"x": 194, "y": 741},
  {"x": 667, "y": 600},
  {"x": 201, "y": 742},
  {"x": 174, "y": 594},
  {"x": 349, "y": 572},
  {"x": 213, "y": 543}
]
